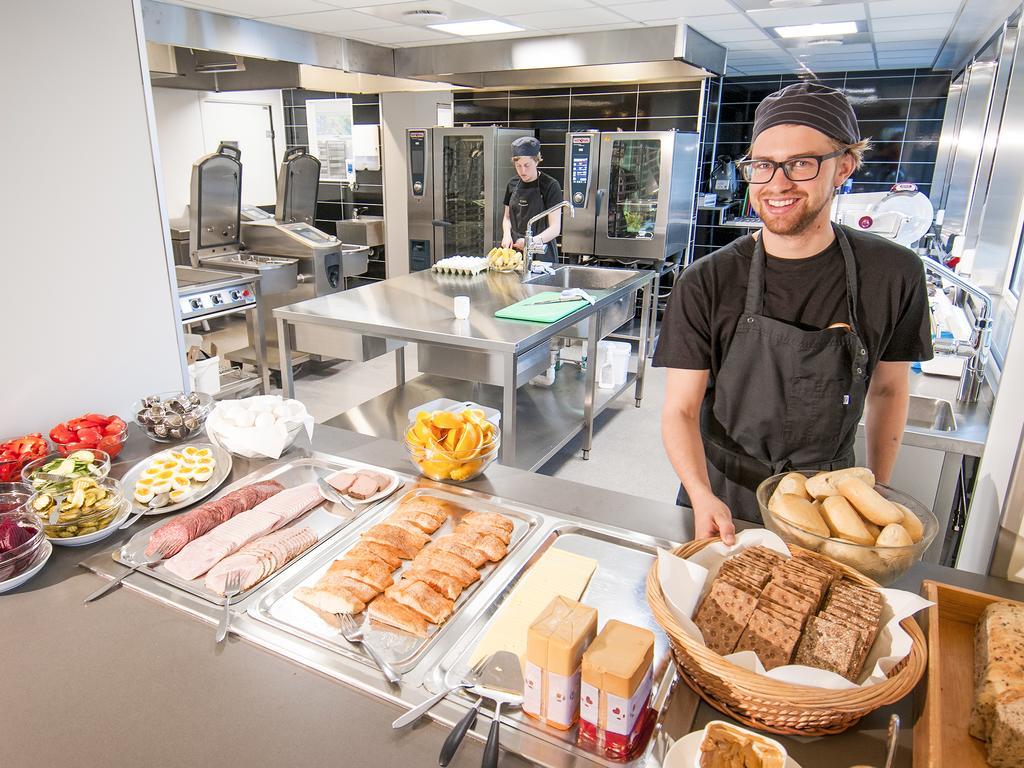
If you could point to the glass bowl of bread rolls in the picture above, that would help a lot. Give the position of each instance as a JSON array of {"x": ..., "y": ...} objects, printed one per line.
[{"x": 847, "y": 516}]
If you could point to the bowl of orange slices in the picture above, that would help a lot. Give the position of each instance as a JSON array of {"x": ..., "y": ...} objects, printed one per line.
[{"x": 452, "y": 446}]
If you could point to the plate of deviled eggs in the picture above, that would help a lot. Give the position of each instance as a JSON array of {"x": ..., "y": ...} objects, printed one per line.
[{"x": 176, "y": 478}]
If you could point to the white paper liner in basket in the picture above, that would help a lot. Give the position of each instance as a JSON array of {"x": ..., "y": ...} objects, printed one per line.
[
  {"x": 683, "y": 584},
  {"x": 257, "y": 442}
]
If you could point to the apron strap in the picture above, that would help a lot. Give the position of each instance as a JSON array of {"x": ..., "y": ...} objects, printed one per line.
[{"x": 852, "y": 294}]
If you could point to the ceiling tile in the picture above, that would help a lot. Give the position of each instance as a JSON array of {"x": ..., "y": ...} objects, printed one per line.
[
  {"x": 911, "y": 7},
  {"x": 707, "y": 24},
  {"x": 674, "y": 9},
  {"x": 832, "y": 50},
  {"x": 931, "y": 35},
  {"x": 753, "y": 45},
  {"x": 926, "y": 21},
  {"x": 503, "y": 7},
  {"x": 814, "y": 15},
  {"x": 336, "y": 22},
  {"x": 556, "y": 20},
  {"x": 258, "y": 9},
  {"x": 403, "y": 33},
  {"x": 729, "y": 36}
]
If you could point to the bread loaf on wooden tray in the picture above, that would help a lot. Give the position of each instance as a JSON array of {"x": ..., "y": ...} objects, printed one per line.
[{"x": 997, "y": 715}]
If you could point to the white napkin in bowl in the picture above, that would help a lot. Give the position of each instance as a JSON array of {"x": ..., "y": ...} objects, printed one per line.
[{"x": 266, "y": 440}]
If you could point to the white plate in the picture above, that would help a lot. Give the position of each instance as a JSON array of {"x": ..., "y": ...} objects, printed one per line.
[
  {"x": 378, "y": 495},
  {"x": 89, "y": 538},
  {"x": 21, "y": 578},
  {"x": 686, "y": 751},
  {"x": 220, "y": 473}
]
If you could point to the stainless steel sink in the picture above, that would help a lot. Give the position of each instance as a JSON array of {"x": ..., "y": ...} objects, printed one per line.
[
  {"x": 587, "y": 278},
  {"x": 931, "y": 413}
]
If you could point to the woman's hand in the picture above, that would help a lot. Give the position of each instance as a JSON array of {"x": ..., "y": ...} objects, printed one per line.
[
  {"x": 506, "y": 241},
  {"x": 520, "y": 244}
]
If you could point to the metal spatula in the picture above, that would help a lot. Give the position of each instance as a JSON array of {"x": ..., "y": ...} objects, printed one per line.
[{"x": 502, "y": 683}]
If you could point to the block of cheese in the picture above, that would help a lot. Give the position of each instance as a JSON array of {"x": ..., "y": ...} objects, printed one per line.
[
  {"x": 555, "y": 573},
  {"x": 615, "y": 692},
  {"x": 555, "y": 644}
]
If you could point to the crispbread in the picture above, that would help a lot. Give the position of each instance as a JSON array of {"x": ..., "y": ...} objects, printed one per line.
[
  {"x": 789, "y": 598},
  {"x": 788, "y": 615},
  {"x": 827, "y": 645},
  {"x": 722, "y": 615},
  {"x": 768, "y": 637}
]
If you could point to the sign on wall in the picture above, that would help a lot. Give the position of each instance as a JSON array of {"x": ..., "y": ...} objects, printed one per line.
[{"x": 329, "y": 124}]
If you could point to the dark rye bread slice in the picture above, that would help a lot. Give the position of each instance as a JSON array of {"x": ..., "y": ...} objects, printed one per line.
[
  {"x": 827, "y": 645},
  {"x": 866, "y": 638},
  {"x": 768, "y": 637},
  {"x": 722, "y": 615}
]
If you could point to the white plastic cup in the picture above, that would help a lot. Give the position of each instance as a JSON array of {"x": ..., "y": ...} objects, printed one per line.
[{"x": 461, "y": 307}]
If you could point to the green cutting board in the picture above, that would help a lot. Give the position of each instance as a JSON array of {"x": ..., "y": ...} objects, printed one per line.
[{"x": 527, "y": 309}]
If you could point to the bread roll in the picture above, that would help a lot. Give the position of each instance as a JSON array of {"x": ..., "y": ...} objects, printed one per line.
[
  {"x": 894, "y": 535},
  {"x": 844, "y": 521},
  {"x": 868, "y": 501},
  {"x": 873, "y": 529},
  {"x": 800, "y": 512},
  {"x": 827, "y": 483},
  {"x": 793, "y": 483},
  {"x": 911, "y": 522}
]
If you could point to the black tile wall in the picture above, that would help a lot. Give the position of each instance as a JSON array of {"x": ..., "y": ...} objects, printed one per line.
[
  {"x": 336, "y": 201},
  {"x": 900, "y": 110}
]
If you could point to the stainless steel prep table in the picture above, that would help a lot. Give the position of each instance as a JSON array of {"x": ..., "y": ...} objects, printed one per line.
[
  {"x": 486, "y": 358},
  {"x": 157, "y": 686}
]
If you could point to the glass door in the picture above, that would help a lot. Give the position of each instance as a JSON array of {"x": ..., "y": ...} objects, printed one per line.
[
  {"x": 462, "y": 159},
  {"x": 633, "y": 188}
]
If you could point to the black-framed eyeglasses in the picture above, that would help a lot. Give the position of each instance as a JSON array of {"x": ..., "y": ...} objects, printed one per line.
[{"x": 803, "y": 168}]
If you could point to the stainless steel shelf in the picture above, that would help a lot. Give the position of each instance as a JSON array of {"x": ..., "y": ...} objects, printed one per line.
[
  {"x": 547, "y": 417},
  {"x": 741, "y": 224}
]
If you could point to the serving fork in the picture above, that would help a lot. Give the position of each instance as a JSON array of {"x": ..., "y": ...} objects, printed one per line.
[
  {"x": 232, "y": 586},
  {"x": 161, "y": 553},
  {"x": 353, "y": 632},
  {"x": 468, "y": 681}
]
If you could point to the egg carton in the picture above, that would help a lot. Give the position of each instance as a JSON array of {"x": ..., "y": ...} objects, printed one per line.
[{"x": 460, "y": 265}]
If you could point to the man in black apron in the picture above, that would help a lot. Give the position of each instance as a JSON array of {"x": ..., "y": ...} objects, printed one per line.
[
  {"x": 777, "y": 342},
  {"x": 529, "y": 193}
]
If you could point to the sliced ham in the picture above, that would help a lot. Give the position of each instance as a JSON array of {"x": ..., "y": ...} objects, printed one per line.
[
  {"x": 175, "y": 534},
  {"x": 261, "y": 558},
  {"x": 201, "y": 554},
  {"x": 341, "y": 481},
  {"x": 364, "y": 487}
]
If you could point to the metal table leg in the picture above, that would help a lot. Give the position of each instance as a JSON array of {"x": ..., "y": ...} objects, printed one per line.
[
  {"x": 284, "y": 344},
  {"x": 400, "y": 366},
  {"x": 254, "y": 321},
  {"x": 590, "y": 383},
  {"x": 508, "y": 413},
  {"x": 949, "y": 477},
  {"x": 653, "y": 319},
  {"x": 644, "y": 342}
]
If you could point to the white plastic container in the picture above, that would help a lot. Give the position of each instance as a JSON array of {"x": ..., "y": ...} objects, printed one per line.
[{"x": 612, "y": 363}]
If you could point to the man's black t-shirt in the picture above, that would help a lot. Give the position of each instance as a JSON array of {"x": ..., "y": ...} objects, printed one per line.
[{"x": 708, "y": 299}]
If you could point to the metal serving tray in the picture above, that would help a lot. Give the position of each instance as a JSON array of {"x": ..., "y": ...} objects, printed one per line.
[
  {"x": 326, "y": 519},
  {"x": 617, "y": 590},
  {"x": 278, "y": 608}
]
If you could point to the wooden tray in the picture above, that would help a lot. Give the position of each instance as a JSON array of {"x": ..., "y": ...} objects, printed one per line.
[{"x": 943, "y": 705}]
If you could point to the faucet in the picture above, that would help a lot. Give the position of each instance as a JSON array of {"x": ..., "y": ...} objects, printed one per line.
[
  {"x": 531, "y": 248},
  {"x": 976, "y": 350}
]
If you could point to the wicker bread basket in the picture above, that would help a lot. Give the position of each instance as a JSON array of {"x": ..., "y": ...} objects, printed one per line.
[{"x": 772, "y": 705}]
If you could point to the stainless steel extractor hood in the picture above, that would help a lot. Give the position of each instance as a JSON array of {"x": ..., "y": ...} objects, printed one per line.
[{"x": 674, "y": 52}]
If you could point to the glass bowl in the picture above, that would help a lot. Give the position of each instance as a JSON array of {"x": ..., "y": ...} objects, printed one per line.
[
  {"x": 22, "y": 557},
  {"x": 882, "y": 564},
  {"x": 442, "y": 465},
  {"x": 112, "y": 444},
  {"x": 167, "y": 429},
  {"x": 76, "y": 523},
  {"x": 101, "y": 464},
  {"x": 10, "y": 469}
]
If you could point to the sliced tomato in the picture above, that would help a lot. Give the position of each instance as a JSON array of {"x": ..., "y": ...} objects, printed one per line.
[
  {"x": 89, "y": 435},
  {"x": 110, "y": 444},
  {"x": 72, "y": 447},
  {"x": 61, "y": 434},
  {"x": 115, "y": 427},
  {"x": 98, "y": 419}
]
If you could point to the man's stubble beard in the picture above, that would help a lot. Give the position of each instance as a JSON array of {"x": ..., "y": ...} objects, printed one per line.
[{"x": 800, "y": 225}]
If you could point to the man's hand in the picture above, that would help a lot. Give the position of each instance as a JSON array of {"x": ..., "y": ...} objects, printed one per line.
[
  {"x": 520, "y": 244},
  {"x": 711, "y": 517},
  {"x": 506, "y": 241}
]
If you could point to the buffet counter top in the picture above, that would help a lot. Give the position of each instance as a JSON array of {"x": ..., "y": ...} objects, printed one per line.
[{"x": 126, "y": 680}]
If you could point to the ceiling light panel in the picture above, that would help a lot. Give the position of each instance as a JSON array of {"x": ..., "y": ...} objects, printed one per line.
[
  {"x": 476, "y": 28},
  {"x": 832, "y": 29}
]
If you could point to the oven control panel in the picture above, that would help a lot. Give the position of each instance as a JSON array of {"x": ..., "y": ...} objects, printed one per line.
[
  {"x": 581, "y": 167},
  {"x": 208, "y": 302}
]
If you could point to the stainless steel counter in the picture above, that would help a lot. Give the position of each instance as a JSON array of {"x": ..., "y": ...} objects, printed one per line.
[
  {"x": 484, "y": 349},
  {"x": 126, "y": 679}
]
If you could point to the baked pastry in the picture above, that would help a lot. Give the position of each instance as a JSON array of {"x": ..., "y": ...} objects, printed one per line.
[
  {"x": 726, "y": 746},
  {"x": 997, "y": 715}
]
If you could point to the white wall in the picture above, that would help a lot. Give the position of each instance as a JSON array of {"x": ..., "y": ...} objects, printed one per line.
[
  {"x": 85, "y": 294},
  {"x": 399, "y": 111},
  {"x": 181, "y": 140}
]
